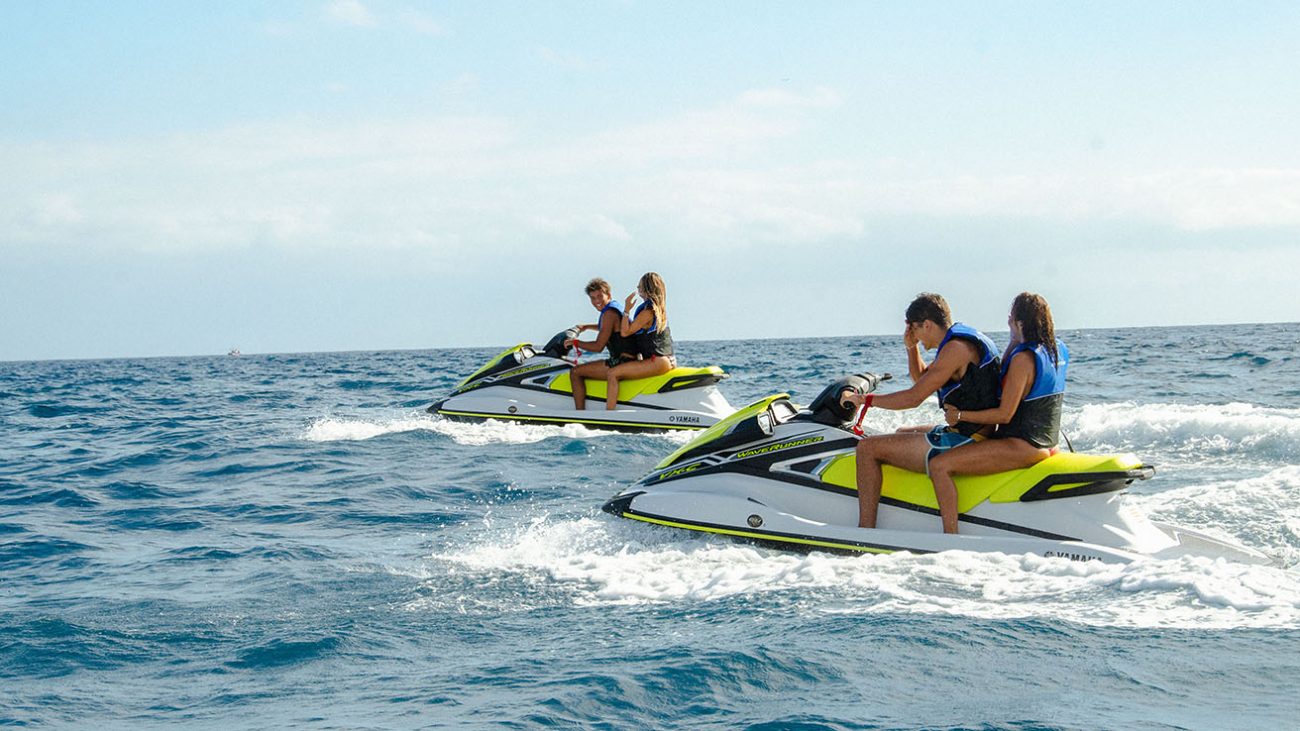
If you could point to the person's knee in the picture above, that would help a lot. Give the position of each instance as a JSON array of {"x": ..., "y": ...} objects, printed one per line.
[
  {"x": 940, "y": 465},
  {"x": 869, "y": 449}
]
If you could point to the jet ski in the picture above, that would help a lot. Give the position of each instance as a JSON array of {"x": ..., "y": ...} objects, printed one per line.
[
  {"x": 524, "y": 384},
  {"x": 776, "y": 474}
]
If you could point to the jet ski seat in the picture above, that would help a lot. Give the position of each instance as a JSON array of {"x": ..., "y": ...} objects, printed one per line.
[
  {"x": 676, "y": 379},
  {"x": 1066, "y": 474}
]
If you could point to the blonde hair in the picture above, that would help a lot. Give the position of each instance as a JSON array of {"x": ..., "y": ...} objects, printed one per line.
[{"x": 652, "y": 285}]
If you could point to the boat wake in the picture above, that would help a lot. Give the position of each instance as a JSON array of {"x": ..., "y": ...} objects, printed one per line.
[
  {"x": 336, "y": 429},
  {"x": 1234, "y": 431},
  {"x": 600, "y": 562}
]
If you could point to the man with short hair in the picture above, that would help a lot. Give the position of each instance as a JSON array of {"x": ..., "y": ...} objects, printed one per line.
[{"x": 964, "y": 374}]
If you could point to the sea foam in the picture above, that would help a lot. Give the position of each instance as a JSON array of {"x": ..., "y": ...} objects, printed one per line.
[
  {"x": 606, "y": 562},
  {"x": 1233, "y": 430}
]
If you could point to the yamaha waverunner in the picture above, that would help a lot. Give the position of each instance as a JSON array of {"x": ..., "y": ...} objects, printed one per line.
[
  {"x": 776, "y": 474},
  {"x": 526, "y": 385}
]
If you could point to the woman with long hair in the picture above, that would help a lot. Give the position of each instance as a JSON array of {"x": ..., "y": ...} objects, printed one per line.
[
  {"x": 1028, "y": 416},
  {"x": 648, "y": 326}
]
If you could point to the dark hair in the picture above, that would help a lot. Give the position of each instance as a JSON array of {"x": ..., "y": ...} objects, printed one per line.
[
  {"x": 1035, "y": 319},
  {"x": 597, "y": 284},
  {"x": 929, "y": 306}
]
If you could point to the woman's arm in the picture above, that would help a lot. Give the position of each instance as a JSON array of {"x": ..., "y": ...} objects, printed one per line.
[
  {"x": 1020, "y": 376},
  {"x": 642, "y": 320}
]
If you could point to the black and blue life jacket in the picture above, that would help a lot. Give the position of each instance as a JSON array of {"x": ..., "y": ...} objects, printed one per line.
[
  {"x": 1038, "y": 417},
  {"x": 980, "y": 387},
  {"x": 652, "y": 341},
  {"x": 618, "y": 346}
]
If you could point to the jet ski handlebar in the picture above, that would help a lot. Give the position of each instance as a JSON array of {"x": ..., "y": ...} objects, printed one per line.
[
  {"x": 829, "y": 408},
  {"x": 557, "y": 346}
]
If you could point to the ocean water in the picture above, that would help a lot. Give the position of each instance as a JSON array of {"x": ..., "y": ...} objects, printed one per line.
[{"x": 276, "y": 541}]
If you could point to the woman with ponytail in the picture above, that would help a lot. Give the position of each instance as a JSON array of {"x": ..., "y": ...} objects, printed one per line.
[{"x": 1028, "y": 416}]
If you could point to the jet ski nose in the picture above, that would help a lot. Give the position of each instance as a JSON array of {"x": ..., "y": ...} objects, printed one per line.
[
  {"x": 621, "y": 504},
  {"x": 436, "y": 406}
]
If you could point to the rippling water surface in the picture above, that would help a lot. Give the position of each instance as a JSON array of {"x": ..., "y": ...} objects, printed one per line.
[{"x": 289, "y": 540}]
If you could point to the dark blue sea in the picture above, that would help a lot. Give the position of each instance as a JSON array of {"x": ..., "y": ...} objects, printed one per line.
[{"x": 290, "y": 541}]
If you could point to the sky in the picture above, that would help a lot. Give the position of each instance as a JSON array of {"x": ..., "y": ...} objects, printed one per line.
[{"x": 181, "y": 178}]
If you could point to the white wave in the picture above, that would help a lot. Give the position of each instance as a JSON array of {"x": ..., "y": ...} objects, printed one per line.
[
  {"x": 1262, "y": 511},
  {"x": 330, "y": 429},
  {"x": 335, "y": 429},
  {"x": 1228, "y": 429},
  {"x": 606, "y": 562}
]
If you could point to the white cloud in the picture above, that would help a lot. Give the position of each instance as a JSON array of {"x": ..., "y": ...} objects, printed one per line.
[
  {"x": 350, "y": 12},
  {"x": 359, "y": 15},
  {"x": 1195, "y": 199},
  {"x": 737, "y": 127},
  {"x": 421, "y": 23},
  {"x": 591, "y": 224},
  {"x": 470, "y": 183}
]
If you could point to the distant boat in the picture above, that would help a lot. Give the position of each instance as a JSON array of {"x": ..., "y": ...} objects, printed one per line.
[{"x": 234, "y": 352}]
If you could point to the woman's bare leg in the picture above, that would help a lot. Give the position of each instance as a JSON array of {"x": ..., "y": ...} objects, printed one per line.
[
  {"x": 978, "y": 458},
  {"x": 629, "y": 370}
]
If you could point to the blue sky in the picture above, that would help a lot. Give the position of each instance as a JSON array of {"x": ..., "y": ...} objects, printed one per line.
[{"x": 181, "y": 178}]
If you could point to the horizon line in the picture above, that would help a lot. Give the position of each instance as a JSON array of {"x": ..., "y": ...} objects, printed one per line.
[{"x": 481, "y": 347}]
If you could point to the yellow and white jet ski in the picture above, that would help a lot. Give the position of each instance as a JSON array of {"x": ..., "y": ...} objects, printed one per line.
[
  {"x": 526, "y": 385},
  {"x": 777, "y": 474}
]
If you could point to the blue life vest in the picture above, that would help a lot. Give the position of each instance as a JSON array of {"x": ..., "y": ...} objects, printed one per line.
[
  {"x": 611, "y": 305},
  {"x": 1038, "y": 417},
  {"x": 618, "y": 346},
  {"x": 980, "y": 386}
]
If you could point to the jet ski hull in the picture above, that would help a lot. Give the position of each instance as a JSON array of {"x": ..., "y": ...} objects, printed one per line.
[
  {"x": 743, "y": 516},
  {"x": 523, "y": 386},
  {"x": 791, "y": 483}
]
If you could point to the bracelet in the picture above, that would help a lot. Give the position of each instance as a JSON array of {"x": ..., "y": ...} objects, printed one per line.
[{"x": 958, "y": 414}]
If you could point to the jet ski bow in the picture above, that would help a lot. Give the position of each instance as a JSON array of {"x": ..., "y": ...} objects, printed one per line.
[
  {"x": 776, "y": 474},
  {"x": 523, "y": 384}
]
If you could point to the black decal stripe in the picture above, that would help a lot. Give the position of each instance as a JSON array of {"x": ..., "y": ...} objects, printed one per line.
[
  {"x": 698, "y": 380},
  {"x": 783, "y": 540},
  {"x": 637, "y": 403},
  {"x": 621, "y": 426},
  {"x": 976, "y": 520},
  {"x": 519, "y": 384},
  {"x": 1092, "y": 483},
  {"x": 510, "y": 380},
  {"x": 745, "y": 467}
]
